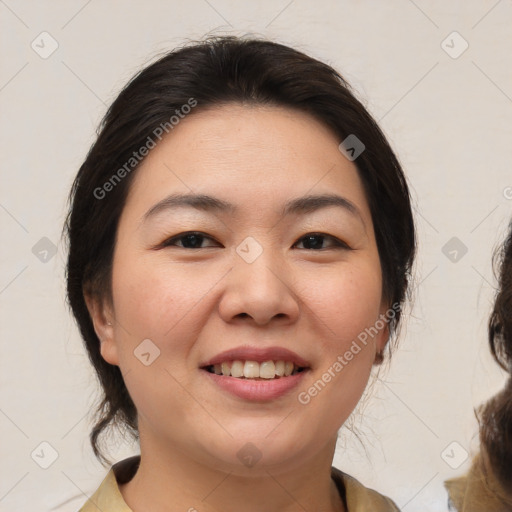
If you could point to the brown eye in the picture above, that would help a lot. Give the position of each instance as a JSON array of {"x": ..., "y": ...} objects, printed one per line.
[
  {"x": 316, "y": 241},
  {"x": 190, "y": 240}
]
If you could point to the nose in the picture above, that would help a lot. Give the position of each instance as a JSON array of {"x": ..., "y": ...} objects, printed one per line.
[{"x": 261, "y": 291}]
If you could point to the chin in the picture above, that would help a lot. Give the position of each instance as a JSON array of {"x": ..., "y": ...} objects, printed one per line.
[{"x": 254, "y": 451}]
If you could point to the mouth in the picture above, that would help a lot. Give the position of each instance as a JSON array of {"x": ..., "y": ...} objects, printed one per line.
[
  {"x": 256, "y": 374},
  {"x": 254, "y": 370}
]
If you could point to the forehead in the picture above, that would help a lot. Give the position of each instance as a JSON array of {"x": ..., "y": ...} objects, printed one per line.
[{"x": 252, "y": 155}]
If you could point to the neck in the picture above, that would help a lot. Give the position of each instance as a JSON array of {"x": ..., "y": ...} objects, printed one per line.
[{"x": 169, "y": 480}]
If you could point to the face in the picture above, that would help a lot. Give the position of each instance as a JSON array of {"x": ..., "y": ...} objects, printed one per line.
[{"x": 261, "y": 273}]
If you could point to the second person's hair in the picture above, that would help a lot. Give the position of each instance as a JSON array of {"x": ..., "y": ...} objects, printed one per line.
[{"x": 496, "y": 414}]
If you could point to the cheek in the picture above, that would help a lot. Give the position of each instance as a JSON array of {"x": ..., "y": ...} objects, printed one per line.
[
  {"x": 167, "y": 303},
  {"x": 347, "y": 301},
  {"x": 153, "y": 297},
  {"x": 161, "y": 302},
  {"x": 346, "y": 307}
]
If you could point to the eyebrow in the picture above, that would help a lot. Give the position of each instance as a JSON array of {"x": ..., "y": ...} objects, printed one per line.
[{"x": 202, "y": 202}]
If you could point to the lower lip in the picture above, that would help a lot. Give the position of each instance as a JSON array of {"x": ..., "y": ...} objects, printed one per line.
[{"x": 257, "y": 390}]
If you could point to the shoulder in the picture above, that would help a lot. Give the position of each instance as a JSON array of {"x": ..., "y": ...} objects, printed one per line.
[
  {"x": 359, "y": 498},
  {"x": 477, "y": 490},
  {"x": 108, "y": 496}
]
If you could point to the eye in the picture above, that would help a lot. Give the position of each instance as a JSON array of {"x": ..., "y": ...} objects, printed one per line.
[
  {"x": 316, "y": 241},
  {"x": 189, "y": 240}
]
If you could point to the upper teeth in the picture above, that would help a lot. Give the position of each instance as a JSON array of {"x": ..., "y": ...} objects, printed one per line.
[{"x": 253, "y": 369}]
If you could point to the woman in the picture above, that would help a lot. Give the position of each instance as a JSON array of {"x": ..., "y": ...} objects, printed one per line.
[
  {"x": 240, "y": 245},
  {"x": 488, "y": 484}
]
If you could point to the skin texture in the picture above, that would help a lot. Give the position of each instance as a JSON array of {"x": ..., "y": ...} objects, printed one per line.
[{"x": 194, "y": 303}]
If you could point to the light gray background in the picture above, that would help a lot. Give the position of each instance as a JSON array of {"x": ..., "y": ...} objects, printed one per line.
[{"x": 449, "y": 120}]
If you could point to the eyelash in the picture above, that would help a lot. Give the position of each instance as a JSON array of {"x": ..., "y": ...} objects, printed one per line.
[{"x": 337, "y": 244}]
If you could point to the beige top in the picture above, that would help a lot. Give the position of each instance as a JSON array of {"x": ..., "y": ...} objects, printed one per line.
[
  {"x": 108, "y": 497},
  {"x": 477, "y": 491}
]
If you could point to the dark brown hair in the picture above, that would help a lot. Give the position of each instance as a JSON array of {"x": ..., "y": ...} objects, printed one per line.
[
  {"x": 215, "y": 72},
  {"x": 496, "y": 415}
]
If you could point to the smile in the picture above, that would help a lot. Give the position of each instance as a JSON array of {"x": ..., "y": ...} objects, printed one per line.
[{"x": 265, "y": 370}]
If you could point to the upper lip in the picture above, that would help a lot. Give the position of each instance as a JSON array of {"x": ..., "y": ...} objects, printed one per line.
[{"x": 258, "y": 354}]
